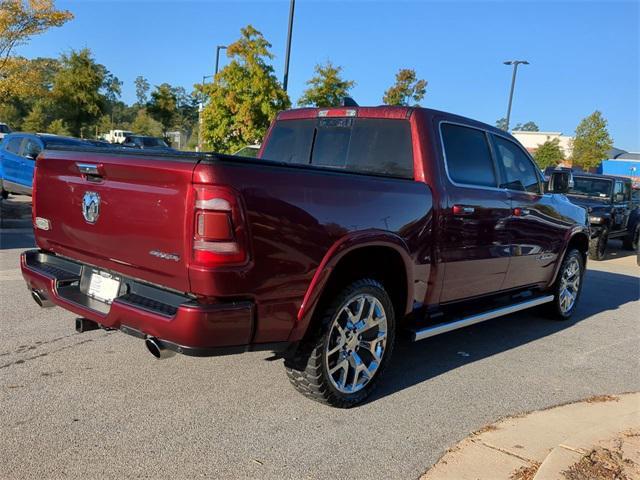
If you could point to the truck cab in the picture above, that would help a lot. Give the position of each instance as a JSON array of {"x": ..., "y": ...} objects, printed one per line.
[{"x": 613, "y": 211}]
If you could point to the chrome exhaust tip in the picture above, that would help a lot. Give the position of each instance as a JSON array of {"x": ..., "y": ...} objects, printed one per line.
[
  {"x": 158, "y": 350},
  {"x": 41, "y": 299}
]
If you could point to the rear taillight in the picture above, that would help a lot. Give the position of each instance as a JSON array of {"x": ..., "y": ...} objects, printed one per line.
[{"x": 219, "y": 232}]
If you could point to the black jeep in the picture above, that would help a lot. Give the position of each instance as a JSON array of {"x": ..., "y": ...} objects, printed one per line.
[{"x": 614, "y": 210}]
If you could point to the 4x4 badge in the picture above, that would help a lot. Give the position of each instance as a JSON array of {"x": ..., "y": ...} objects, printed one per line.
[{"x": 91, "y": 206}]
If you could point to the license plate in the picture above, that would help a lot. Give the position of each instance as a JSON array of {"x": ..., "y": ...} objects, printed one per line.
[{"x": 103, "y": 286}]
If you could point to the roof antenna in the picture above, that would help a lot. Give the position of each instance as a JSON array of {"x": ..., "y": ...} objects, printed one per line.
[{"x": 348, "y": 102}]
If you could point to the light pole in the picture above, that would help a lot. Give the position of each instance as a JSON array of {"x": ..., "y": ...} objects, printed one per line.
[
  {"x": 200, "y": 108},
  {"x": 515, "y": 64},
  {"x": 218, "y": 48},
  {"x": 285, "y": 81}
]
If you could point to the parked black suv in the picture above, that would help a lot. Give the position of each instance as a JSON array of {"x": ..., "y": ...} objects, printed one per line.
[{"x": 614, "y": 212}]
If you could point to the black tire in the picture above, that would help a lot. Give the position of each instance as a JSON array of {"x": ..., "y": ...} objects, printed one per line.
[
  {"x": 598, "y": 245},
  {"x": 556, "y": 309},
  {"x": 631, "y": 241},
  {"x": 308, "y": 369}
]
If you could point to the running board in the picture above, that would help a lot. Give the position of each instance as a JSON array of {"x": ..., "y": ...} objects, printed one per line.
[{"x": 481, "y": 317}]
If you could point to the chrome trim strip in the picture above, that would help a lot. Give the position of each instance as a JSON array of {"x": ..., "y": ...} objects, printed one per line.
[{"x": 481, "y": 317}]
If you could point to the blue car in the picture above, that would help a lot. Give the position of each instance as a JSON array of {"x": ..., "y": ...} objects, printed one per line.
[{"x": 18, "y": 152}]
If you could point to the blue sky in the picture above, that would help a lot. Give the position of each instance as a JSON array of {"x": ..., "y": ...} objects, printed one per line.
[{"x": 584, "y": 55}]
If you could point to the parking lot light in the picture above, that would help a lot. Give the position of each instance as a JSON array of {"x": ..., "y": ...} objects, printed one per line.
[{"x": 515, "y": 64}]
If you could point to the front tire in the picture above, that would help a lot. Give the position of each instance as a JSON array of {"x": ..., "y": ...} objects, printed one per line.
[
  {"x": 342, "y": 362},
  {"x": 598, "y": 245},
  {"x": 568, "y": 285}
]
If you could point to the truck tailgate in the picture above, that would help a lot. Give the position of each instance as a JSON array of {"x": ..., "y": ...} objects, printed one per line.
[{"x": 142, "y": 213}]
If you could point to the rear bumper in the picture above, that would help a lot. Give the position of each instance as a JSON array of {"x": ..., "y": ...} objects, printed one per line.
[{"x": 176, "y": 320}]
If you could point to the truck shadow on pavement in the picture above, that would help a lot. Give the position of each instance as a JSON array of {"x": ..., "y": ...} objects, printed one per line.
[{"x": 417, "y": 362}]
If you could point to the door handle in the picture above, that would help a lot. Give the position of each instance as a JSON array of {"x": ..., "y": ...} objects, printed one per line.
[
  {"x": 463, "y": 210},
  {"x": 521, "y": 212},
  {"x": 91, "y": 170}
]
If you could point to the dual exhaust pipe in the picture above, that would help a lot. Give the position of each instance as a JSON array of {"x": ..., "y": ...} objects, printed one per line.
[
  {"x": 155, "y": 346},
  {"x": 157, "y": 349},
  {"x": 41, "y": 299}
]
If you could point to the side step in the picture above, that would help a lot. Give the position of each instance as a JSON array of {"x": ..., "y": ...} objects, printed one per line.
[{"x": 478, "y": 318}]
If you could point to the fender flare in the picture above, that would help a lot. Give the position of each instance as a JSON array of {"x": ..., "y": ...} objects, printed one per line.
[
  {"x": 572, "y": 233},
  {"x": 345, "y": 245}
]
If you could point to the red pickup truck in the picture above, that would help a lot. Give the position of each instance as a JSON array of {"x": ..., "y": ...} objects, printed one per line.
[{"x": 353, "y": 224}]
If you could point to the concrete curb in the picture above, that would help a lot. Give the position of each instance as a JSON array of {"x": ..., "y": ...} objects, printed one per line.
[{"x": 543, "y": 443}]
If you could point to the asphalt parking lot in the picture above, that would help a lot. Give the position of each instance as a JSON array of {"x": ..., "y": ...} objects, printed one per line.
[{"x": 98, "y": 405}]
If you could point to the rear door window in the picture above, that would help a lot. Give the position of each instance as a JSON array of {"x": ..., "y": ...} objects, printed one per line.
[
  {"x": 519, "y": 170},
  {"x": 468, "y": 156},
  {"x": 31, "y": 149},
  {"x": 365, "y": 145}
]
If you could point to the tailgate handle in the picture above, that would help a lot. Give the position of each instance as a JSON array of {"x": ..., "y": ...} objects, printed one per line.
[{"x": 91, "y": 170}]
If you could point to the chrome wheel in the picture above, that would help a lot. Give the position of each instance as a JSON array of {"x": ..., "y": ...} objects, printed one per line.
[
  {"x": 569, "y": 286},
  {"x": 356, "y": 343}
]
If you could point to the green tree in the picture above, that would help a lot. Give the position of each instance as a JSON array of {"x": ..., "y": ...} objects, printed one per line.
[
  {"x": 326, "y": 88},
  {"x": 591, "y": 142},
  {"x": 407, "y": 90},
  {"x": 142, "y": 89},
  {"x": 20, "y": 20},
  {"x": 58, "y": 127},
  {"x": 143, "y": 124},
  {"x": 244, "y": 97},
  {"x": 501, "y": 123},
  {"x": 527, "y": 127},
  {"x": 37, "y": 119},
  {"x": 163, "y": 106},
  {"x": 549, "y": 154},
  {"x": 76, "y": 91}
]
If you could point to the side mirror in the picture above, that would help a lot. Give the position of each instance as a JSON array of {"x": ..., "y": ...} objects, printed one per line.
[
  {"x": 560, "y": 182},
  {"x": 619, "y": 197}
]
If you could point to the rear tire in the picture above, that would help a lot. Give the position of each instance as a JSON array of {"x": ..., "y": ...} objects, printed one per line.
[
  {"x": 598, "y": 245},
  {"x": 568, "y": 285},
  {"x": 341, "y": 363},
  {"x": 631, "y": 241}
]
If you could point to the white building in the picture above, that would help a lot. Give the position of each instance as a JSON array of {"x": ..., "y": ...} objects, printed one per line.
[{"x": 531, "y": 140}]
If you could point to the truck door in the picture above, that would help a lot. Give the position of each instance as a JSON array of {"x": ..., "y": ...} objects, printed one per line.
[
  {"x": 474, "y": 245},
  {"x": 11, "y": 162},
  {"x": 535, "y": 226},
  {"x": 621, "y": 205}
]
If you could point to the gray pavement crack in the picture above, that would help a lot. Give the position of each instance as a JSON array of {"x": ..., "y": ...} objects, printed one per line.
[
  {"x": 502, "y": 450},
  {"x": 26, "y": 348},
  {"x": 40, "y": 355}
]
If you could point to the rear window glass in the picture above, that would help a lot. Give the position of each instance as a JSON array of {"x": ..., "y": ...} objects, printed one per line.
[
  {"x": 468, "y": 156},
  {"x": 366, "y": 145}
]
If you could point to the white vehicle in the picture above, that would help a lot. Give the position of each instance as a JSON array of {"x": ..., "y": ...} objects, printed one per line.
[
  {"x": 117, "y": 136},
  {"x": 4, "y": 129}
]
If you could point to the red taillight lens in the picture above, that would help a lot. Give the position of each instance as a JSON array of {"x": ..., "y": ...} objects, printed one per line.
[{"x": 219, "y": 232}]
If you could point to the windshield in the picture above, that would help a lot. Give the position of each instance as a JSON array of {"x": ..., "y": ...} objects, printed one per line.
[
  {"x": 4, "y": 129},
  {"x": 591, "y": 187}
]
